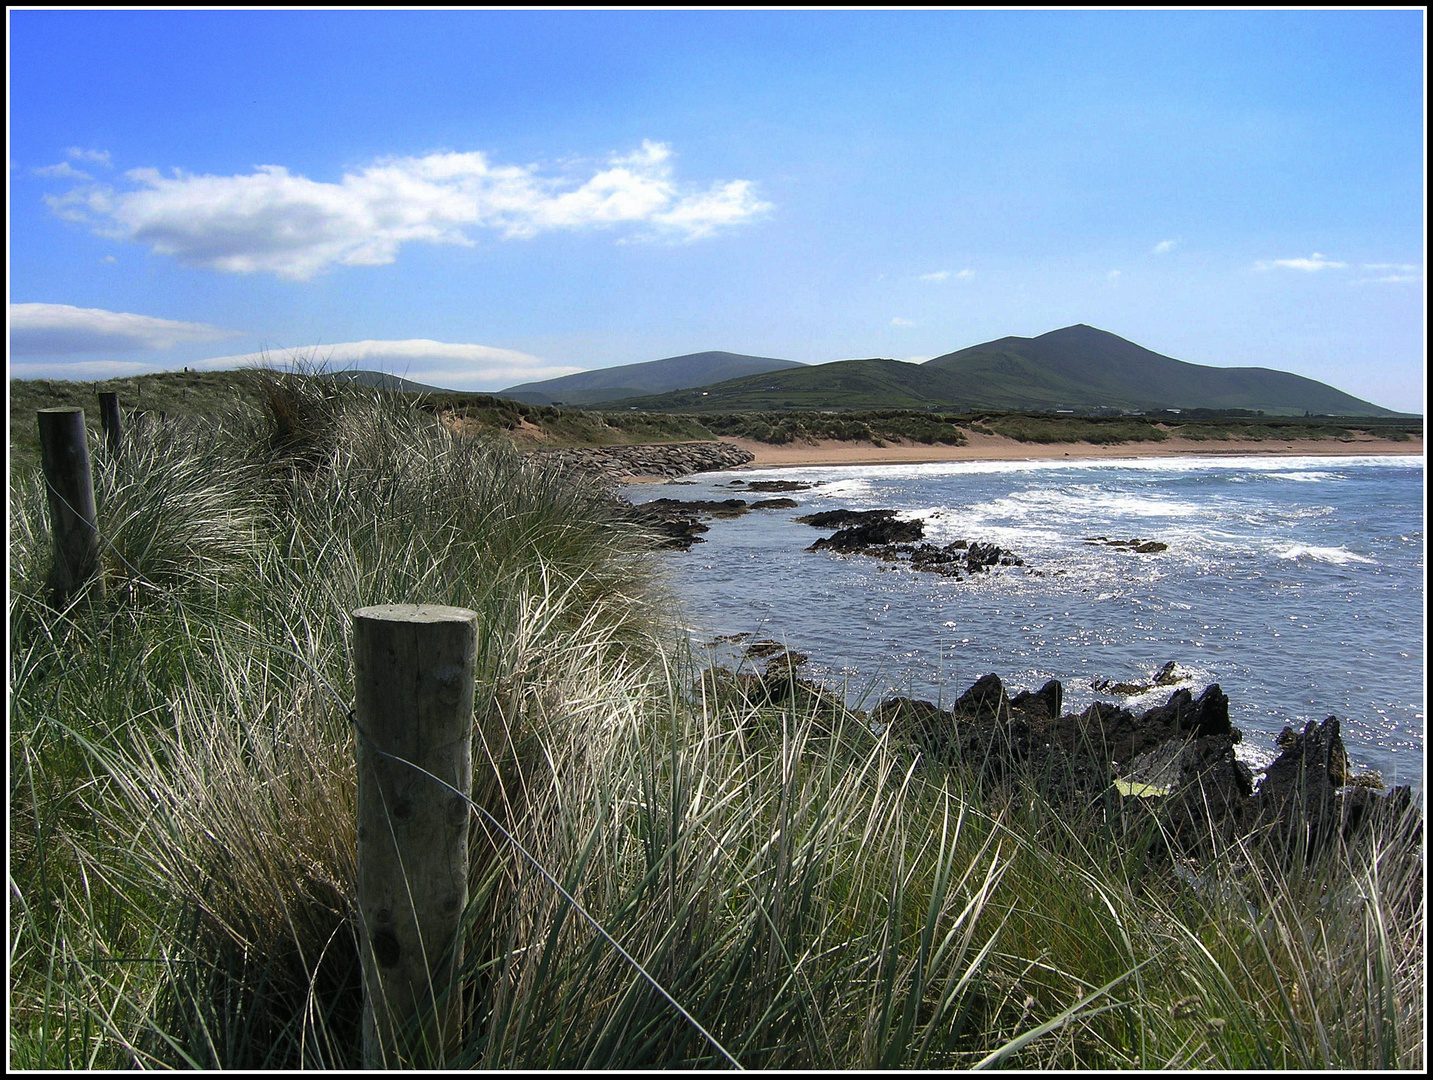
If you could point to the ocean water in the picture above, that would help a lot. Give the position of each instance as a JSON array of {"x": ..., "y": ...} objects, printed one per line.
[{"x": 1295, "y": 583}]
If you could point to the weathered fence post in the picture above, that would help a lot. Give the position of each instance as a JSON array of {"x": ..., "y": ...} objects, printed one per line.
[
  {"x": 70, "y": 491},
  {"x": 413, "y": 687},
  {"x": 109, "y": 420}
]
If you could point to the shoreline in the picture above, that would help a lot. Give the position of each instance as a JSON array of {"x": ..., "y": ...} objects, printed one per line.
[{"x": 999, "y": 448}]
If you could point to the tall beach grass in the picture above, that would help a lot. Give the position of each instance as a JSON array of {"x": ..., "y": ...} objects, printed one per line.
[{"x": 811, "y": 894}]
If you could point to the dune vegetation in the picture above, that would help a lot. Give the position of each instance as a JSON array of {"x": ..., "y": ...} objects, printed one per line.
[{"x": 799, "y": 889}]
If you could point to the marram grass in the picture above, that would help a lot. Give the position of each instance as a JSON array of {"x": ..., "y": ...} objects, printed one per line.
[{"x": 811, "y": 895}]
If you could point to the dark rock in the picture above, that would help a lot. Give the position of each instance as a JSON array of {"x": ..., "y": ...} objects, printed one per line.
[
  {"x": 842, "y": 519},
  {"x": 774, "y": 504},
  {"x": 761, "y": 649},
  {"x": 1181, "y": 788},
  {"x": 778, "y": 485},
  {"x": 722, "y": 508},
  {"x": 785, "y": 660},
  {"x": 1169, "y": 675},
  {"x": 1043, "y": 704},
  {"x": 1297, "y": 795},
  {"x": 985, "y": 700},
  {"x": 1134, "y": 544},
  {"x": 878, "y": 533}
]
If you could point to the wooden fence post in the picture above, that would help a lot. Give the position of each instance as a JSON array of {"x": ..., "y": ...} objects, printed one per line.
[
  {"x": 109, "y": 420},
  {"x": 70, "y": 491},
  {"x": 413, "y": 689}
]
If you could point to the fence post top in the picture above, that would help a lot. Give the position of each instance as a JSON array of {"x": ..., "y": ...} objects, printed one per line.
[
  {"x": 416, "y": 613},
  {"x": 61, "y": 409}
]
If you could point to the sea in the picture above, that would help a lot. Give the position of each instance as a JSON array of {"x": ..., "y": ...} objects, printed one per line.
[{"x": 1295, "y": 583}]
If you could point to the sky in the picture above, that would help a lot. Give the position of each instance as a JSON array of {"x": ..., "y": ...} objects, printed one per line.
[{"x": 476, "y": 199}]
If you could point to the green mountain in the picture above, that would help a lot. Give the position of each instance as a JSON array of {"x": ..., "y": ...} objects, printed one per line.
[
  {"x": 652, "y": 377},
  {"x": 1078, "y": 368}
]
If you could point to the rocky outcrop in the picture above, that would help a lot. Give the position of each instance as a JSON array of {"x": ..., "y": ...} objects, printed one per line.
[
  {"x": 1175, "y": 761},
  {"x": 775, "y": 485},
  {"x": 1167, "y": 778},
  {"x": 1136, "y": 544},
  {"x": 676, "y": 522},
  {"x": 880, "y": 534},
  {"x": 1169, "y": 675},
  {"x": 614, "y": 465}
]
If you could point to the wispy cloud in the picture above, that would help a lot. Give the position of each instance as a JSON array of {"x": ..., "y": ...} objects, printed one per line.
[
  {"x": 898, "y": 321},
  {"x": 272, "y": 221},
  {"x": 1314, "y": 262},
  {"x": 453, "y": 365},
  {"x": 1394, "y": 274},
  {"x": 1163, "y": 247},
  {"x": 946, "y": 275},
  {"x": 94, "y": 157},
  {"x": 60, "y": 329},
  {"x": 63, "y": 171},
  {"x": 1113, "y": 275}
]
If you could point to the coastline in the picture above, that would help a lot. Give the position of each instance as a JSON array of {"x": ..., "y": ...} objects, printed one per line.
[{"x": 999, "y": 448}]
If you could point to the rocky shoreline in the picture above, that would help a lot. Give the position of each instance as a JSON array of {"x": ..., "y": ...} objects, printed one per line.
[{"x": 1172, "y": 766}]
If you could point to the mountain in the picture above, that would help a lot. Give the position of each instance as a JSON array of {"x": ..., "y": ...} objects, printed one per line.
[
  {"x": 652, "y": 377},
  {"x": 1079, "y": 368}
]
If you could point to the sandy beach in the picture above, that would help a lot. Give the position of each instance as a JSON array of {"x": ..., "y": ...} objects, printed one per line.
[{"x": 998, "y": 448}]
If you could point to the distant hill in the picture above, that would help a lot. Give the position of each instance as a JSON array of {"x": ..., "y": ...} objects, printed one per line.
[
  {"x": 1079, "y": 368},
  {"x": 382, "y": 381},
  {"x": 652, "y": 377}
]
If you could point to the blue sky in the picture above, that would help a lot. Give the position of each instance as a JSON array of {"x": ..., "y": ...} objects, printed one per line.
[{"x": 481, "y": 198}]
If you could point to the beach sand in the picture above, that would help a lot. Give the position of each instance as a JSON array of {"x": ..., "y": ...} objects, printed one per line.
[{"x": 998, "y": 448}]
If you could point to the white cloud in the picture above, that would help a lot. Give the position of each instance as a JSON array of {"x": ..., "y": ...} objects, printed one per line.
[
  {"x": 63, "y": 170},
  {"x": 1394, "y": 274},
  {"x": 1113, "y": 275},
  {"x": 1313, "y": 263},
  {"x": 946, "y": 275},
  {"x": 95, "y": 157},
  {"x": 898, "y": 321},
  {"x": 271, "y": 221},
  {"x": 453, "y": 366},
  {"x": 60, "y": 329},
  {"x": 1163, "y": 247},
  {"x": 1391, "y": 279}
]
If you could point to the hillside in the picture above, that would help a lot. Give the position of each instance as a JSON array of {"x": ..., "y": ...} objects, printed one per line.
[
  {"x": 382, "y": 380},
  {"x": 652, "y": 377},
  {"x": 1078, "y": 368}
]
